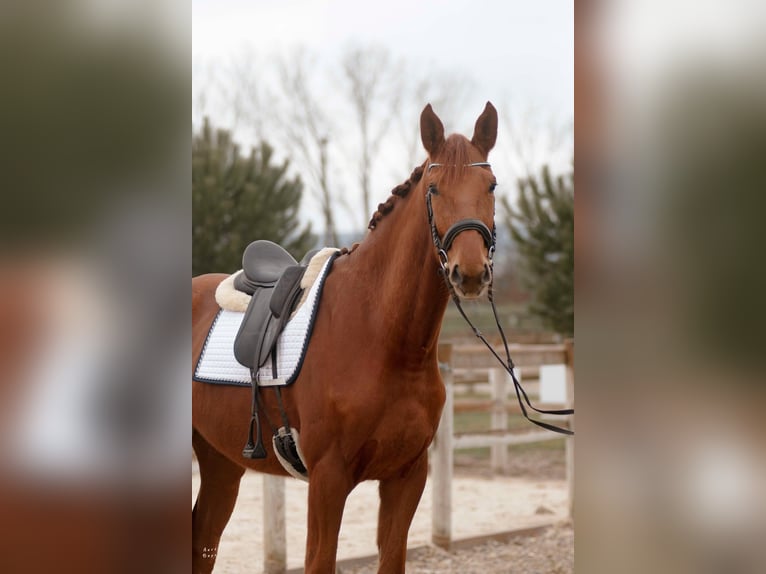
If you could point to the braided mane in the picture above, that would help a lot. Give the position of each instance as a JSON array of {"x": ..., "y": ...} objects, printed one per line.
[
  {"x": 453, "y": 158},
  {"x": 400, "y": 190}
]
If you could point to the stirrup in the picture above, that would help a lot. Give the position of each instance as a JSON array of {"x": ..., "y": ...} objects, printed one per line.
[{"x": 254, "y": 450}]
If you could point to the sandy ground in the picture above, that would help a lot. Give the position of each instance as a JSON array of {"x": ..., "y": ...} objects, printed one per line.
[
  {"x": 481, "y": 505},
  {"x": 550, "y": 551}
]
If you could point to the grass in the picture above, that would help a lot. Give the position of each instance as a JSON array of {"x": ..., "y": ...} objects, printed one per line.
[
  {"x": 514, "y": 319},
  {"x": 476, "y": 422}
]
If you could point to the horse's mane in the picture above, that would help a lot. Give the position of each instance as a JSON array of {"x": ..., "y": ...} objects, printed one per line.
[
  {"x": 400, "y": 190},
  {"x": 453, "y": 157}
]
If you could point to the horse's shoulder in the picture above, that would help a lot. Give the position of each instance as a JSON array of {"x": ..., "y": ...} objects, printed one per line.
[{"x": 203, "y": 288}]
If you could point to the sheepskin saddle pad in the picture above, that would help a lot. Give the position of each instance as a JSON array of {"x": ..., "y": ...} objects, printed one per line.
[{"x": 266, "y": 317}]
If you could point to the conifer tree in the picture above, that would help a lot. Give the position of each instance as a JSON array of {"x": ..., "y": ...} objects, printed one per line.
[
  {"x": 238, "y": 199},
  {"x": 542, "y": 224}
]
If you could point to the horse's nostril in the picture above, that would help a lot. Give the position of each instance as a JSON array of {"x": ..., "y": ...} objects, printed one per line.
[
  {"x": 487, "y": 277},
  {"x": 455, "y": 276}
]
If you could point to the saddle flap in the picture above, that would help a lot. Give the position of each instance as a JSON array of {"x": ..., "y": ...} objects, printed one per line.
[
  {"x": 286, "y": 291},
  {"x": 258, "y": 331},
  {"x": 265, "y": 317}
]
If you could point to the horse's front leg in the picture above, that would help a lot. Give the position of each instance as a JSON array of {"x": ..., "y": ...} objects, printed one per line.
[
  {"x": 329, "y": 486},
  {"x": 399, "y": 498}
]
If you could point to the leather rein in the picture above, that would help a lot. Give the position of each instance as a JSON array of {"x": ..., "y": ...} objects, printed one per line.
[{"x": 443, "y": 245}]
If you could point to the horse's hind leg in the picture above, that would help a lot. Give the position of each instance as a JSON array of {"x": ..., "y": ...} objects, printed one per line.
[
  {"x": 219, "y": 485},
  {"x": 399, "y": 498}
]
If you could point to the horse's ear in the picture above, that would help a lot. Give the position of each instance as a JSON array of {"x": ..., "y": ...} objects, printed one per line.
[
  {"x": 485, "y": 130},
  {"x": 431, "y": 131}
]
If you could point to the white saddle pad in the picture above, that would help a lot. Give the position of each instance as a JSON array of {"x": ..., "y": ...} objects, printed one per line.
[{"x": 217, "y": 364}]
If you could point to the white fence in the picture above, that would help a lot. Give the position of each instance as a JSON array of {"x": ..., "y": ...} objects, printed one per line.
[{"x": 499, "y": 439}]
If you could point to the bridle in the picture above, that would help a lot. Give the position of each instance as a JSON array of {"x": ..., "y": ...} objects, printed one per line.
[{"x": 443, "y": 245}]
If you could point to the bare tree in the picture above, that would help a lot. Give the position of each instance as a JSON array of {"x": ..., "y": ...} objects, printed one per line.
[
  {"x": 287, "y": 99},
  {"x": 534, "y": 140},
  {"x": 202, "y": 75},
  {"x": 373, "y": 83},
  {"x": 243, "y": 93},
  {"x": 306, "y": 128}
]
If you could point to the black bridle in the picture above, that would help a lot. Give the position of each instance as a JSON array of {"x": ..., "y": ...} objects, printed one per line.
[{"x": 443, "y": 245}]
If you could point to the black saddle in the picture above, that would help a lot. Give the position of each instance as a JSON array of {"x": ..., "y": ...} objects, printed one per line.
[{"x": 273, "y": 278}]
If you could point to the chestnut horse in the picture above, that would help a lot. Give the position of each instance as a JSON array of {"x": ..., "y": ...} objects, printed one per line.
[{"x": 369, "y": 396}]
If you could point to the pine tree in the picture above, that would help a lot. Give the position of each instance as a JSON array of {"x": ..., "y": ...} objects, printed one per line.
[
  {"x": 237, "y": 199},
  {"x": 542, "y": 224}
]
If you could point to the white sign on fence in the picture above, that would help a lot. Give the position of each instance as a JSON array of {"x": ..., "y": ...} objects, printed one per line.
[{"x": 553, "y": 384}]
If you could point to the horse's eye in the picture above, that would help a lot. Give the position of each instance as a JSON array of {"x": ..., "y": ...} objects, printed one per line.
[
  {"x": 432, "y": 189},
  {"x": 492, "y": 187}
]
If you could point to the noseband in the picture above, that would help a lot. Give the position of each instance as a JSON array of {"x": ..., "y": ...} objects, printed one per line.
[{"x": 443, "y": 244}]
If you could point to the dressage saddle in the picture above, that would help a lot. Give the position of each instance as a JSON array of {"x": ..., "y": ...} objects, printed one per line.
[{"x": 273, "y": 279}]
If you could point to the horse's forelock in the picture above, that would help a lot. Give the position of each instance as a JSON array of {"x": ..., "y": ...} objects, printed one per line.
[{"x": 454, "y": 158}]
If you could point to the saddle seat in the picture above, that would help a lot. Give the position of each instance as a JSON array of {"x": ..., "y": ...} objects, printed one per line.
[
  {"x": 263, "y": 263},
  {"x": 273, "y": 278}
]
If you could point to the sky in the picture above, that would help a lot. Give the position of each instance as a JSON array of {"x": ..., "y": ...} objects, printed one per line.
[{"x": 516, "y": 53}]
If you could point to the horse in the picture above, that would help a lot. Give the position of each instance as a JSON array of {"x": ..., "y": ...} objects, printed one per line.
[{"x": 369, "y": 396}]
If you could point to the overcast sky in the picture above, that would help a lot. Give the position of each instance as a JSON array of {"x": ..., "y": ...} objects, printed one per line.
[{"x": 517, "y": 53}]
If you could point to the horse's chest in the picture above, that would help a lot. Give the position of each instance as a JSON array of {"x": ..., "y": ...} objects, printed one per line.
[{"x": 403, "y": 432}]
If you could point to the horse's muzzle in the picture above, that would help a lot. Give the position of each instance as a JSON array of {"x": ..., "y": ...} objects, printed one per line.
[{"x": 470, "y": 282}]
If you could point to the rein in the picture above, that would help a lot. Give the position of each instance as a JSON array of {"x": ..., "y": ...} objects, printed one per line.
[
  {"x": 442, "y": 246},
  {"x": 509, "y": 366}
]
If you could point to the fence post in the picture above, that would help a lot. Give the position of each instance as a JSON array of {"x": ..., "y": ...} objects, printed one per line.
[
  {"x": 497, "y": 381},
  {"x": 274, "y": 531},
  {"x": 569, "y": 442},
  {"x": 441, "y": 462}
]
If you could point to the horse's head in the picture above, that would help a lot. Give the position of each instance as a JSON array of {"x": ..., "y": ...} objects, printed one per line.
[{"x": 459, "y": 186}]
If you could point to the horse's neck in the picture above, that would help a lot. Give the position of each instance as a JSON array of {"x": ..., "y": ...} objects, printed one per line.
[{"x": 409, "y": 297}]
